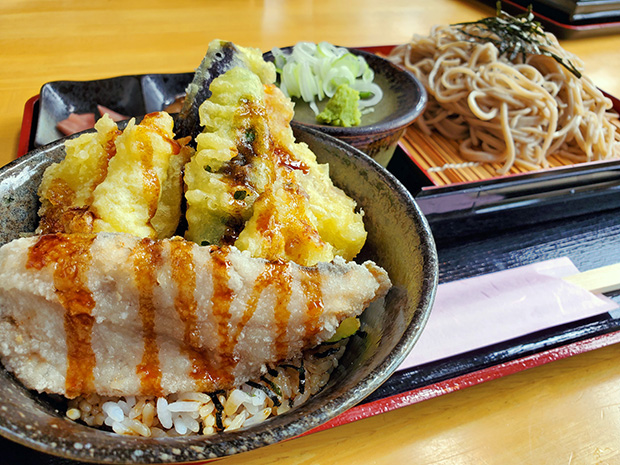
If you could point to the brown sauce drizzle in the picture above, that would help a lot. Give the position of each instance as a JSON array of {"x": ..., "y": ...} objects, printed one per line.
[
  {"x": 205, "y": 370},
  {"x": 102, "y": 170},
  {"x": 221, "y": 300},
  {"x": 275, "y": 274},
  {"x": 150, "y": 181},
  {"x": 287, "y": 233},
  {"x": 61, "y": 215},
  {"x": 175, "y": 145},
  {"x": 147, "y": 257},
  {"x": 70, "y": 256},
  {"x": 286, "y": 159},
  {"x": 282, "y": 284},
  {"x": 60, "y": 193},
  {"x": 269, "y": 229},
  {"x": 311, "y": 285},
  {"x": 60, "y": 197},
  {"x": 257, "y": 140},
  {"x": 282, "y": 236}
]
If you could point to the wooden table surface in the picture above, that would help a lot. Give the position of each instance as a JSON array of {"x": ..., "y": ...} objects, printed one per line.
[{"x": 565, "y": 412}]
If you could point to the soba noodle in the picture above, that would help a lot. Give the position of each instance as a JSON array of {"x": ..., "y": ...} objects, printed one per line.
[{"x": 509, "y": 111}]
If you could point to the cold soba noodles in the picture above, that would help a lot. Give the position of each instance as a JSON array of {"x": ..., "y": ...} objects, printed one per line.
[{"x": 510, "y": 93}]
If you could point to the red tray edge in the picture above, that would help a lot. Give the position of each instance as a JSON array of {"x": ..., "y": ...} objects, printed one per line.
[
  {"x": 474, "y": 378},
  {"x": 431, "y": 391},
  {"x": 27, "y": 124}
]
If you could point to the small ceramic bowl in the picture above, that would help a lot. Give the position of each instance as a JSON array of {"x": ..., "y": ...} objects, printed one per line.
[
  {"x": 404, "y": 99},
  {"x": 399, "y": 239},
  {"x": 133, "y": 95}
]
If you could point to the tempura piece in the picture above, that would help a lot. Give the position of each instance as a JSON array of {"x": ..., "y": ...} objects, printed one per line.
[
  {"x": 221, "y": 56},
  {"x": 250, "y": 184},
  {"x": 129, "y": 181},
  {"x": 114, "y": 314}
]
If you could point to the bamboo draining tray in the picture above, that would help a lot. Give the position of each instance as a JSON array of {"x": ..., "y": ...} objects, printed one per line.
[{"x": 429, "y": 152}]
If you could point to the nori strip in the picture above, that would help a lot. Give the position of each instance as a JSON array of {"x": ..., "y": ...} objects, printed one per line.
[
  {"x": 219, "y": 409},
  {"x": 266, "y": 390},
  {"x": 302, "y": 374},
  {"x": 302, "y": 377},
  {"x": 327, "y": 353},
  {"x": 271, "y": 385},
  {"x": 516, "y": 35}
]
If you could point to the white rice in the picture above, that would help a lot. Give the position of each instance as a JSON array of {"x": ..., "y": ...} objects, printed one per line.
[{"x": 282, "y": 388}]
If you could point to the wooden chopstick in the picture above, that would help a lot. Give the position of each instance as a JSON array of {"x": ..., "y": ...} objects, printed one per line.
[{"x": 599, "y": 280}]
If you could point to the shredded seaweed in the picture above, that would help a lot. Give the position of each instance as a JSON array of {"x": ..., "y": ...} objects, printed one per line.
[
  {"x": 219, "y": 409},
  {"x": 272, "y": 372},
  {"x": 271, "y": 385},
  {"x": 302, "y": 374},
  {"x": 272, "y": 395},
  {"x": 327, "y": 352},
  {"x": 514, "y": 36},
  {"x": 302, "y": 377}
]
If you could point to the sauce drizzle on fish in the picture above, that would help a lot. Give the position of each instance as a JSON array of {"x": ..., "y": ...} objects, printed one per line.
[
  {"x": 202, "y": 318},
  {"x": 205, "y": 369},
  {"x": 221, "y": 300},
  {"x": 147, "y": 260},
  {"x": 282, "y": 282},
  {"x": 70, "y": 256},
  {"x": 311, "y": 285}
]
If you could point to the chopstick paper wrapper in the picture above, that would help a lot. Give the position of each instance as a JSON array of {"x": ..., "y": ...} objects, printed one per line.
[{"x": 476, "y": 312}]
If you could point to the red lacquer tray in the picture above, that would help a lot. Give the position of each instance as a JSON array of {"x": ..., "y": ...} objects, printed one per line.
[
  {"x": 471, "y": 377},
  {"x": 590, "y": 241}
]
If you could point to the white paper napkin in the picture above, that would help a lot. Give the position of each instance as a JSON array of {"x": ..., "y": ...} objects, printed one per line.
[{"x": 476, "y": 312}]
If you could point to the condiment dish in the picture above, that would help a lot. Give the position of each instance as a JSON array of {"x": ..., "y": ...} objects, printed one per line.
[{"x": 404, "y": 99}]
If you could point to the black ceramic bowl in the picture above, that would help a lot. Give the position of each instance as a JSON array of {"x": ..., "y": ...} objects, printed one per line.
[
  {"x": 399, "y": 239},
  {"x": 404, "y": 99}
]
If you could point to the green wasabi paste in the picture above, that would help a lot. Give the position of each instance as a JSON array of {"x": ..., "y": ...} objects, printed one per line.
[{"x": 342, "y": 109}]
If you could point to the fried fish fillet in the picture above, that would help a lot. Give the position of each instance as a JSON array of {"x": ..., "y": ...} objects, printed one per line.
[{"x": 116, "y": 314}]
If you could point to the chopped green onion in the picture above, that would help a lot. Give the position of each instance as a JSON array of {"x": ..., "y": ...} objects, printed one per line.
[{"x": 313, "y": 72}]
